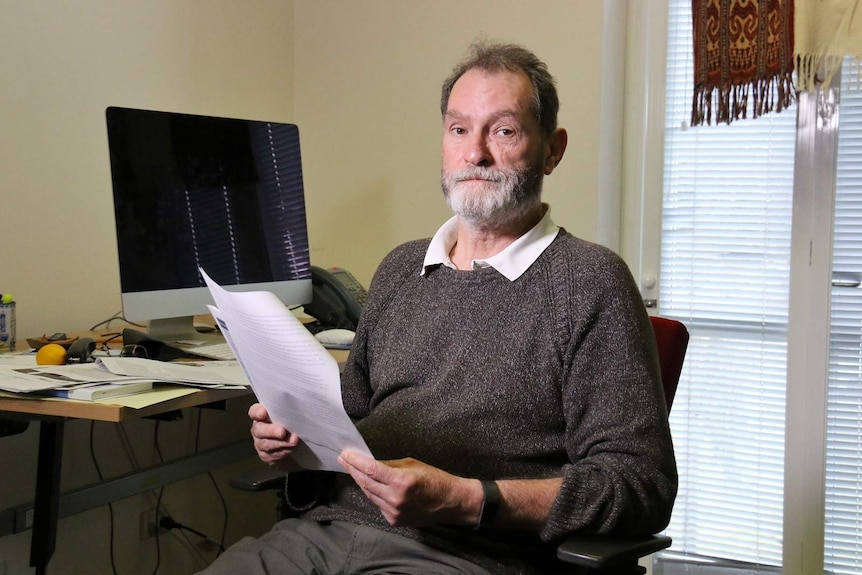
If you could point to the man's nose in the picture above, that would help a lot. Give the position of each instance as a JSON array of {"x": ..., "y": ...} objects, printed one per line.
[{"x": 477, "y": 152}]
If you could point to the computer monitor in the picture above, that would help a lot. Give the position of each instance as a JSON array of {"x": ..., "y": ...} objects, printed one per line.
[{"x": 221, "y": 194}]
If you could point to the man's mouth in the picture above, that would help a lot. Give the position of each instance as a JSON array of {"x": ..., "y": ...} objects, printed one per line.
[{"x": 490, "y": 179}]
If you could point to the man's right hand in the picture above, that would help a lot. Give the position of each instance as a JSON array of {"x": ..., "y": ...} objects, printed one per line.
[{"x": 273, "y": 443}]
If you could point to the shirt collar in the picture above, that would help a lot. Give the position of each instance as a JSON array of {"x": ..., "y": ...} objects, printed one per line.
[{"x": 512, "y": 262}]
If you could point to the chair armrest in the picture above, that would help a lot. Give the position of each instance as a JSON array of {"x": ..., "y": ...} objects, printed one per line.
[
  {"x": 259, "y": 479},
  {"x": 599, "y": 552}
]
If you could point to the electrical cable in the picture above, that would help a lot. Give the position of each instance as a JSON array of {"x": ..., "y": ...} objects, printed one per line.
[
  {"x": 182, "y": 538},
  {"x": 119, "y": 315},
  {"x": 215, "y": 485},
  {"x": 160, "y": 510},
  {"x": 110, "y": 505},
  {"x": 156, "y": 495},
  {"x": 123, "y": 436},
  {"x": 158, "y": 500},
  {"x": 169, "y": 523},
  {"x": 158, "y": 541}
]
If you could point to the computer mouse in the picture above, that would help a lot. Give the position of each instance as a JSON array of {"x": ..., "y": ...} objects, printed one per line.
[
  {"x": 335, "y": 337},
  {"x": 203, "y": 327}
]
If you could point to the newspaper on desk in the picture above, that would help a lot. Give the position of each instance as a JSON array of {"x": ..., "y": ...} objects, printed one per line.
[
  {"x": 216, "y": 374},
  {"x": 27, "y": 377},
  {"x": 290, "y": 372}
]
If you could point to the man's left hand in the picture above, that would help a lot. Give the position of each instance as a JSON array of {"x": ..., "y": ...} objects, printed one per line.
[{"x": 409, "y": 492}]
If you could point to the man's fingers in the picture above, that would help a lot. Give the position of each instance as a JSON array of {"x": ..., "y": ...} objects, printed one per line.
[
  {"x": 370, "y": 475},
  {"x": 364, "y": 464},
  {"x": 257, "y": 412},
  {"x": 271, "y": 444},
  {"x": 260, "y": 430}
]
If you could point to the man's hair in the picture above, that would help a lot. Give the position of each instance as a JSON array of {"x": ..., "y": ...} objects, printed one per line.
[{"x": 492, "y": 57}]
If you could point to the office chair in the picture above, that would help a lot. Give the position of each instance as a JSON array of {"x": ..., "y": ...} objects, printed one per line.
[
  {"x": 580, "y": 554},
  {"x": 596, "y": 554}
]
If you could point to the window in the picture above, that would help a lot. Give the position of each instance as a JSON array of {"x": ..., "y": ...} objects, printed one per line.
[
  {"x": 725, "y": 256},
  {"x": 843, "y": 534}
]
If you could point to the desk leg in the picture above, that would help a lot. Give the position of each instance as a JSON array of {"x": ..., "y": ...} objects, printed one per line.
[{"x": 46, "y": 503}]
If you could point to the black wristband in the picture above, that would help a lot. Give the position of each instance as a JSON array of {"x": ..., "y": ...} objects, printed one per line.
[{"x": 490, "y": 504}]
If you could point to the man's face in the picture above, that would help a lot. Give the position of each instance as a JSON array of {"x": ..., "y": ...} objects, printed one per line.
[{"x": 493, "y": 149}]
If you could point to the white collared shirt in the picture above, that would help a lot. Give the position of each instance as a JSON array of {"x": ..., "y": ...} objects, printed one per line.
[{"x": 512, "y": 262}]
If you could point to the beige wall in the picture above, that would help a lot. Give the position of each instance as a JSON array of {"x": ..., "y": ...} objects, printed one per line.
[
  {"x": 360, "y": 78},
  {"x": 62, "y": 64},
  {"x": 362, "y": 81},
  {"x": 368, "y": 78}
]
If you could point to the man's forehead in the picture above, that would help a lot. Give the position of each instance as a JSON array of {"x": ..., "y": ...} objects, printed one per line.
[{"x": 509, "y": 92}]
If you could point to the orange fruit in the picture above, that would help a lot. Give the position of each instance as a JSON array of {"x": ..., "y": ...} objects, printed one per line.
[{"x": 51, "y": 354}]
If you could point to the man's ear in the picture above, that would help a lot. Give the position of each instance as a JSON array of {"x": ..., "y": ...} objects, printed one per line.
[{"x": 556, "y": 148}]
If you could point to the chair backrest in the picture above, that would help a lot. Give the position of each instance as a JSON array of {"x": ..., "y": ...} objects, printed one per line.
[{"x": 672, "y": 339}]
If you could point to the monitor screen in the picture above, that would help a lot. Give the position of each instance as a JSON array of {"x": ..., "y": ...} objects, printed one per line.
[{"x": 221, "y": 194}]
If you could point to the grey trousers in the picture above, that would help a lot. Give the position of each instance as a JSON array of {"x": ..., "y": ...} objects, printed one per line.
[{"x": 295, "y": 546}]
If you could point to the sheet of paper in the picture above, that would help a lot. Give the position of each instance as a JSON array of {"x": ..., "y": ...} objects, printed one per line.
[
  {"x": 157, "y": 395},
  {"x": 290, "y": 373},
  {"x": 17, "y": 359},
  {"x": 221, "y": 374},
  {"x": 134, "y": 401},
  {"x": 18, "y": 377},
  {"x": 27, "y": 379}
]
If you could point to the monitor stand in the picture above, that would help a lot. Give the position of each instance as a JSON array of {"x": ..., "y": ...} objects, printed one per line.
[{"x": 178, "y": 329}]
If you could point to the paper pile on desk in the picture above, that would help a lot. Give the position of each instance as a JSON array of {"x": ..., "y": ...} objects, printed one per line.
[
  {"x": 219, "y": 374},
  {"x": 19, "y": 378},
  {"x": 290, "y": 373}
]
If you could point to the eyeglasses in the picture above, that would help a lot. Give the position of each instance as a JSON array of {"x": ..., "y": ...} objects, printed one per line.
[{"x": 134, "y": 350}]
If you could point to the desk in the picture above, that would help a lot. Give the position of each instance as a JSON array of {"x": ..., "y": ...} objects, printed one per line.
[{"x": 52, "y": 415}]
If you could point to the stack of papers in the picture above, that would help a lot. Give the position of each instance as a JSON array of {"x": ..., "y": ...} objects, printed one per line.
[
  {"x": 290, "y": 372},
  {"x": 95, "y": 391},
  {"x": 112, "y": 376}
]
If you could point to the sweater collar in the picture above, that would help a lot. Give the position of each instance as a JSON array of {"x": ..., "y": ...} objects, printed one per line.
[{"x": 512, "y": 262}]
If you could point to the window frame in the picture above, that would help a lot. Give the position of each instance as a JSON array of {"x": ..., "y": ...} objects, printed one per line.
[{"x": 810, "y": 275}]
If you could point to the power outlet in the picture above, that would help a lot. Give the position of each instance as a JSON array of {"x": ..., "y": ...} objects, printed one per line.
[{"x": 147, "y": 524}]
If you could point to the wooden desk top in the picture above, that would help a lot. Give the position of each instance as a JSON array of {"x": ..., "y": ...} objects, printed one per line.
[
  {"x": 30, "y": 406},
  {"x": 70, "y": 408}
]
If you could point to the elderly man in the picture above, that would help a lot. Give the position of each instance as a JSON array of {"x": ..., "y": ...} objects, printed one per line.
[{"x": 504, "y": 374}]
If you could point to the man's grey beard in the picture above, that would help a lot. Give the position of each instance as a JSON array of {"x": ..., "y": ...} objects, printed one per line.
[{"x": 506, "y": 197}]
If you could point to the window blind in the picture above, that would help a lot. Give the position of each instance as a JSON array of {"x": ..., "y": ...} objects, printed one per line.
[
  {"x": 725, "y": 257},
  {"x": 843, "y": 529}
]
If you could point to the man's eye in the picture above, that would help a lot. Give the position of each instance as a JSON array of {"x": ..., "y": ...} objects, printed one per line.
[
  {"x": 506, "y": 132},
  {"x": 458, "y": 131}
]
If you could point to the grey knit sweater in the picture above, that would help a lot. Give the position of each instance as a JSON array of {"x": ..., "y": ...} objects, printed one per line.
[{"x": 554, "y": 374}]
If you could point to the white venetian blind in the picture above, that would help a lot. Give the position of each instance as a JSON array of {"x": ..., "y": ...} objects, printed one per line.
[
  {"x": 843, "y": 534},
  {"x": 725, "y": 258}
]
